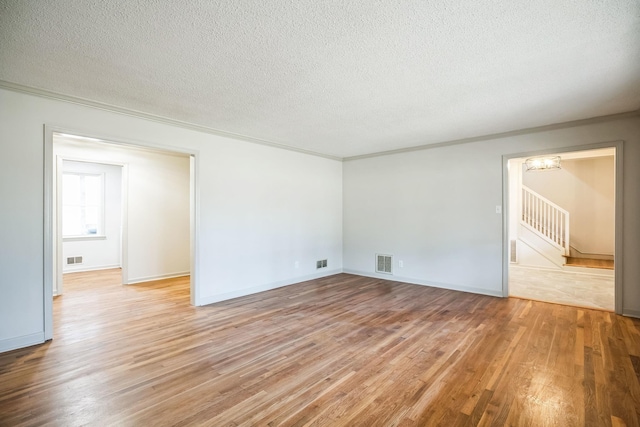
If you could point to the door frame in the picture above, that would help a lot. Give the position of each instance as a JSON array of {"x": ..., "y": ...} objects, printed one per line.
[
  {"x": 618, "y": 179},
  {"x": 50, "y": 241}
]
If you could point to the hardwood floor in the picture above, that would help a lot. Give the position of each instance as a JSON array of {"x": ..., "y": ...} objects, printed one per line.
[{"x": 339, "y": 351}]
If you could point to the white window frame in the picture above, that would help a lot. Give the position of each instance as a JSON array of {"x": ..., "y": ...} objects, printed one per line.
[{"x": 100, "y": 233}]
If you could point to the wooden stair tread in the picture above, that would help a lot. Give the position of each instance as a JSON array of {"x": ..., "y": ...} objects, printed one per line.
[{"x": 590, "y": 263}]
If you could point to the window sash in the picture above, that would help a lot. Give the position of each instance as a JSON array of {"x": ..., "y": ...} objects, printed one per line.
[{"x": 82, "y": 204}]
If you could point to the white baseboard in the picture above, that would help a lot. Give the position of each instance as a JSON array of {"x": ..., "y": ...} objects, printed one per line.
[
  {"x": 158, "y": 277},
  {"x": 20, "y": 342},
  {"x": 631, "y": 313},
  {"x": 449, "y": 286},
  {"x": 83, "y": 269},
  {"x": 261, "y": 288}
]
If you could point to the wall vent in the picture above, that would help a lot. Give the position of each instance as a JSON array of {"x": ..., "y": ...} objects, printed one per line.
[
  {"x": 384, "y": 263},
  {"x": 74, "y": 260},
  {"x": 513, "y": 251},
  {"x": 321, "y": 263}
]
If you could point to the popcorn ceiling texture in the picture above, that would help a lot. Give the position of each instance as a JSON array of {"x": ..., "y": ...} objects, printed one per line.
[{"x": 341, "y": 78}]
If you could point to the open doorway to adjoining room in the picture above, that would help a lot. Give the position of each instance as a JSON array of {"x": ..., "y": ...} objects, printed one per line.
[
  {"x": 562, "y": 227},
  {"x": 117, "y": 210}
]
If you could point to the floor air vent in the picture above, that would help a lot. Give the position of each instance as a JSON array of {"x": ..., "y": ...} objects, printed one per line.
[
  {"x": 74, "y": 260},
  {"x": 384, "y": 263}
]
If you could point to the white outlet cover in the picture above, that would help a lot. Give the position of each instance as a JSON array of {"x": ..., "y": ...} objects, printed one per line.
[{"x": 498, "y": 209}]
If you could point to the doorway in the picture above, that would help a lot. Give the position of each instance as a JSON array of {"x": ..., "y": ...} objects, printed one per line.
[
  {"x": 89, "y": 216},
  {"x": 158, "y": 209},
  {"x": 563, "y": 227}
]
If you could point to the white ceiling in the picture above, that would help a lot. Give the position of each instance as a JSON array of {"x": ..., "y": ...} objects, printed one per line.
[{"x": 341, "y": 78}]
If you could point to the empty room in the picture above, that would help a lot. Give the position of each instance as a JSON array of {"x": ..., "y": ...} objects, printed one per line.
[{"x": 312, "y": 213}]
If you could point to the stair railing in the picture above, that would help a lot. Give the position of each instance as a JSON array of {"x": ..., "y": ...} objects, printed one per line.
[{"x": 546, "y": 219}]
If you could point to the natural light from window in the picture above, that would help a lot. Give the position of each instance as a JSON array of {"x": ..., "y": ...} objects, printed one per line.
[{"x": 82, "y": 204}]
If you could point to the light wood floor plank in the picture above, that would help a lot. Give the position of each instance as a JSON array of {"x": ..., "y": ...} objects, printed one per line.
[{"x": 338, "y": 351}]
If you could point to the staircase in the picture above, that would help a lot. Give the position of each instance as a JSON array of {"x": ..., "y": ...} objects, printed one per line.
[{"x": 544, "y": 227}]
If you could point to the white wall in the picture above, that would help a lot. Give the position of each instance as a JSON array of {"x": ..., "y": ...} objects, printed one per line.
[
  {"x": 586, "y": 189},
  {"x": 103, "y": 252},
  {"x": 157, "y": 210},
  {"x": 261, "y": 208},
  {"x": 435, "y": 208},
  {"x": 432, "y": 209}
]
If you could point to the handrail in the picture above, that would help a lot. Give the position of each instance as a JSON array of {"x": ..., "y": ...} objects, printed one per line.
[{"x": 546, "y": 218}]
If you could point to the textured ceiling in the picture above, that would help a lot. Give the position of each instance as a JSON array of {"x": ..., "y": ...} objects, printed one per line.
[{"x": 342, "y": 78}]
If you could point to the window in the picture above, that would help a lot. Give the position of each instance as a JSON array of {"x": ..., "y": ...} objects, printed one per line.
[{"x": 82, "y": 204}]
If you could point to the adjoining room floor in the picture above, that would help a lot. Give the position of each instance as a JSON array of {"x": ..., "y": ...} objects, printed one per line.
[
  {"x": 340, "y": 351},
  {"x": 591, "y": 290}
]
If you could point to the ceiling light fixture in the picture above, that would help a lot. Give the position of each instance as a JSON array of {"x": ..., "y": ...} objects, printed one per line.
[{"x": 543, "y": 163}]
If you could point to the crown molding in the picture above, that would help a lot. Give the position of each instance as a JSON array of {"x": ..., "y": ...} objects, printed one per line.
[
  {"x": 205, "y": 129},
  {"x": 43, "y": 93},
  {"x": 536, "y": 129}
]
